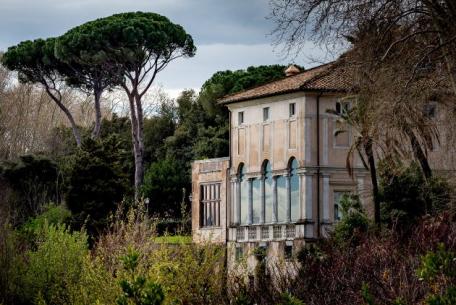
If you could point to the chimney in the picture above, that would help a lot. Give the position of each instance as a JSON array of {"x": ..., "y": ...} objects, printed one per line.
[{"x": 292, "y": 70}]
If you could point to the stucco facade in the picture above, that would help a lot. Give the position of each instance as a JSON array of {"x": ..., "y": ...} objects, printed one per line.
[
  {"x": 287, "y": 139},
  {"x": 280, "y": 187}
]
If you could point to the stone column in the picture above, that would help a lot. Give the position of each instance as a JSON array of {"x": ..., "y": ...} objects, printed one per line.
[
  {"x": 274, "y": 199},
  {"x": 287, "y": 187},
  {"x": 263, "y": 199}
]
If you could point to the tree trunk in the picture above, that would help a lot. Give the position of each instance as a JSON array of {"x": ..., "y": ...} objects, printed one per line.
[
  {"x": 138, "y": 155},
  {"x": 139, "y": 162},
  {"x": 373, "y": 173},
  {"x": 68, "y": 114},
  {"x": 97, "y": 128},
  {"x": 419, "y": 153}
]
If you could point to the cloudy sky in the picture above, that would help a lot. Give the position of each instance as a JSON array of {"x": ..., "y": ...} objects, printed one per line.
[{"x": 229, "y": 34}]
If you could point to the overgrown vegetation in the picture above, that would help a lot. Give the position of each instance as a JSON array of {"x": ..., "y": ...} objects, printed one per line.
[{"x": 78, "y": 225}]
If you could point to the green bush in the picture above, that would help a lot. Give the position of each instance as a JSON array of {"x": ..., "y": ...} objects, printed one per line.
[
  {"x": 136, "y": 288},
  {"x": 52, "y": 215},
  {"x": 354, "y": 219},
  {"x": 98, "y": 182},
  {"x": 164, "y": 183},
  {"x": 288, "y": 299},
  {"x": 438, "y": 268},
  {"x": 407, "y": 195},
  {"x": 34, "y": 181},
  {"x": 12, "y": 266},
  {"x": 55, "y": 267}
]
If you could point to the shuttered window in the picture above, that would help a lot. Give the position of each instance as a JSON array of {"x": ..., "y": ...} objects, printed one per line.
[{"x": 210, "y": 205}]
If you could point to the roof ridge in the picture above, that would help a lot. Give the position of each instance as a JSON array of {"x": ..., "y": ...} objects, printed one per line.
[
  {"x": 324, "y": 73},
  {"x": 220, "y": 100}
]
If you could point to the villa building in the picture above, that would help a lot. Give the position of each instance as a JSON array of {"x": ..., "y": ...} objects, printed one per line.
[
  {"x": 281, "y": 185},
  {"x": 286, "y": 172}
]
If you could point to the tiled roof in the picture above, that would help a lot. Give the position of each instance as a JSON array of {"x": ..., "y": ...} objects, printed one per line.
[{"x": 334, "y": 76}]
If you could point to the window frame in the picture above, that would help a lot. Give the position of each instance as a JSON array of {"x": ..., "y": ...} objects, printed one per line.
[
  {"x": 216, "y": 201},
  {"x": 292, "y": 110},
  {"x": 241, "y": 118},
  {"x": 266, "y": 114}
]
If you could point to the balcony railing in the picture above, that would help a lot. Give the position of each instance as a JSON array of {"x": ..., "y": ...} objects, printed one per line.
[{"x": 272, "y": 232}]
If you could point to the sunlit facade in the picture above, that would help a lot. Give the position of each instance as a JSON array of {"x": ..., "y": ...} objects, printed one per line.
[{"x": 285, "y": 173}]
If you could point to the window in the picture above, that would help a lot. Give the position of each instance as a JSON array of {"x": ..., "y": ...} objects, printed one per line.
[
  {"x": 342, "y": 107},
  {"x": 244, "y": 189},
  {"x": 294, "y": 189},
  {"x": 338, "y": 195},
  {"x": 265, "y": 114},
  {"x": 256, "y": 204},
  {"x": 292, "y": 109},
  {"x": 210, "y": 205},
  {"x": 281, "y": 199},
  {"x": 268, "y": 191},
  {"x": 241, "y": 118}
]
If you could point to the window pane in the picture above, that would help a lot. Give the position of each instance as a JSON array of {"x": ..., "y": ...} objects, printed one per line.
[
  {"x": 240, "y": 118},
  {"x": 292, "y": 109},
  {"x": 268, "y": 192},
  {"x": 281, "y": 199},
  {"x": 266, "y": 114},
  {"x": 244, "y": 201},
  {"x": 256, "y": 200},
  {"x": 294, "y": 189}
]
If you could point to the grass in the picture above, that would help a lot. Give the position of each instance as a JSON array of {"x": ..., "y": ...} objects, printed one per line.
[{"x": 173, "y": 239}]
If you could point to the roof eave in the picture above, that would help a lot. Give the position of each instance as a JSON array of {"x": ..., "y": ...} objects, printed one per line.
[{"x": 281, "y": 93}]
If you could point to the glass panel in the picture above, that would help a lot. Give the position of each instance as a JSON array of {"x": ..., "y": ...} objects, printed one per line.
[
  {"x": 281, "y": 199},
  {"x": 266, "y": 114},
  {"x": 292, "y": 109},
  {"x": 244, "y": 202},
  {"x": 294, "y": 189},
  {"x": 256, "y": 200},
  {"x": 268, "y": 191}
]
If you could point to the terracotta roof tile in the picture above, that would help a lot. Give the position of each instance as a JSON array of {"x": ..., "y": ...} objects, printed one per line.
[{"x": 334, "y": 76}]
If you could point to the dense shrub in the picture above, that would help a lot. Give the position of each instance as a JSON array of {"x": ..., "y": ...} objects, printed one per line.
[
  {"x": 97, "y": 183},
  {"x": 55, "y": 267},
  {"x": 386, "y": 263},
  {"x": 11, "y": 265},
  {"x": 354, "y": 220},
  {"x": 407, "y": 195},
  {"x": 164, "y": 186},
  {"x": 34, "y": 182},
  {"x": 137, "y": 289}
]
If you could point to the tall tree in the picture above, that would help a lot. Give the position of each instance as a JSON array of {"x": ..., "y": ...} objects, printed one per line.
[
  {"x": 142, "y": 44},
  {"x": 92, "y": 68},
  {"x": 403, "y": 51},
  {"x": 35, "y": 62}
]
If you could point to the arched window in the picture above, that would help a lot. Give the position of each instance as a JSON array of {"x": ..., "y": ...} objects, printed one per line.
[
  {"x": 268, "y": 191},
  {"x": 244, "y": 190},
  {"x": 294, "y": 189}
]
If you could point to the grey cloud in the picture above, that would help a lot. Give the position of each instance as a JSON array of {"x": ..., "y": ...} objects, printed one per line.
[
  {"x": 229, "y": 34},
  {"x": 208, "y": 21}
]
